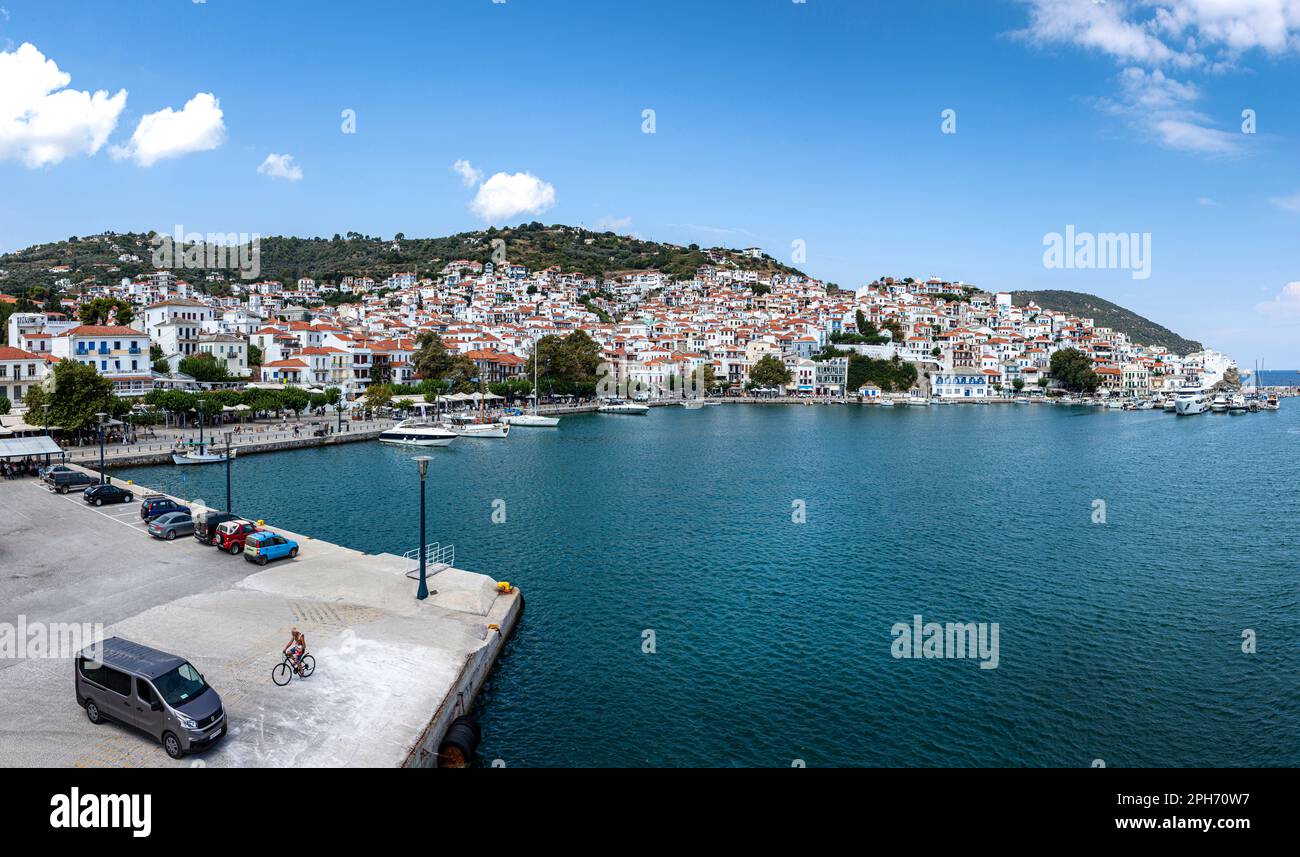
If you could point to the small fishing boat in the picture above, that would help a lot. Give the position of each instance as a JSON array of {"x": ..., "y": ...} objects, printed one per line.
[{"x": 198, "y": 452}]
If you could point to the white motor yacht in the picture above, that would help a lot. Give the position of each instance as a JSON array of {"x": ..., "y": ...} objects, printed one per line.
[
  {"x": 618, "y": 406},
  {"x": 1190, "y": 401},
  {"x": 417, "y": 432},
  {"x": 1219, "y": 404}
]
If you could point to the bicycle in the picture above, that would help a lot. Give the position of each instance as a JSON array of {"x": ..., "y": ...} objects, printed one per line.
[{"x": 282, "y": 673}]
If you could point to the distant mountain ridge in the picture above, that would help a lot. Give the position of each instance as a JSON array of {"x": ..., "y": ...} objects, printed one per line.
[{"x": 1141, "y": 331}]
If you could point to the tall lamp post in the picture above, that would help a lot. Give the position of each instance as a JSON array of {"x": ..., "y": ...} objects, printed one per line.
[
  {"x": 100, "y": 417},
  {"x": 229, "y": 437},
  {"x": 423, "y": 592}
]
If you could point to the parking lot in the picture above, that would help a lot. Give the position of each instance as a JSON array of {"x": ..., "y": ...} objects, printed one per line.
[{"x": 385, "y": 662}]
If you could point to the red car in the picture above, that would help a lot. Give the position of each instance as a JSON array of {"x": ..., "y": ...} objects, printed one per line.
[{"x": 231, "y": 535}]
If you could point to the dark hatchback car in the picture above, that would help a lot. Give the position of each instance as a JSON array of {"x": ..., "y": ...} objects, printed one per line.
[
  {"x": 206, "y": 523},
  {"x": 152, "y": 507},
  {"x": 101, "y": 494}
]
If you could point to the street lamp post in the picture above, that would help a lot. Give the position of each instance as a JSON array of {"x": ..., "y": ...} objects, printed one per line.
[
  {"x": 229, "y": 437},
  {"x": 338, "y": 409},
  {"x": 100, "y": 418},
  {"x": 423, "y": 592}
]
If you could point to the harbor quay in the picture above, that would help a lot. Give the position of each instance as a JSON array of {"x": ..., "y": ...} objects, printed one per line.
[
  {"x": 392, "y": 672},
  {"x": 253, "y": 440}
]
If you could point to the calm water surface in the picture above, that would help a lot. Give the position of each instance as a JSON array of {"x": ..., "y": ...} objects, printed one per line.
[{"x": 1118, "y": 641}]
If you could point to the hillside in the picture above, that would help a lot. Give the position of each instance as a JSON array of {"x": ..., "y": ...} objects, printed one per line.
[
  {"x": 95, "y": 259},
  {"x": 1106, "y": 314}
]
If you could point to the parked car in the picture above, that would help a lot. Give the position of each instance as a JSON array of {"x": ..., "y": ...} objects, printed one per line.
[
  {"x": 231, "y": 534},
  {"x": 67, "y": 480},
  {"x": 206, "y": 523},
  {"x": 101, "y": 494},
  {"x": 152, "y": 507},
  {"x": 170, "y": 525},
  {"x": 263, "y": 547},
  {"x": 160, "y": 694}
]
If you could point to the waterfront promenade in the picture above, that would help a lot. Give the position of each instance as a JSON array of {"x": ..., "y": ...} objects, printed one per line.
[
  {"x": 253, "y": 438},
  {"x": 392, "y": 672}
]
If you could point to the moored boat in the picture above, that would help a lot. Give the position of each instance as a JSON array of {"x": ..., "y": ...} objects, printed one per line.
[
  {"x": 618, "y": 406},
  {"x": 417, "y": 432}
]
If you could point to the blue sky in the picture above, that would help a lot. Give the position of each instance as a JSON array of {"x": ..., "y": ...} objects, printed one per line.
[{"x": 774, "y": 122}]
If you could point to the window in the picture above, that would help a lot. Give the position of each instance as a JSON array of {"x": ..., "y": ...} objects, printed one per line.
[
  {"x": 118, "y": 682},
  {"x": 181, "y": 685},
  {"x": 144, "y": 690}
]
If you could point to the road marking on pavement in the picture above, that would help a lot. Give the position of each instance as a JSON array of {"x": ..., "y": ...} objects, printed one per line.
[{"x": 83, "y": 504}]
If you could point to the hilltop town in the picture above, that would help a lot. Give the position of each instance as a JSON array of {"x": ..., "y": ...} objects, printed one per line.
[{"x": 734, "y": 311}]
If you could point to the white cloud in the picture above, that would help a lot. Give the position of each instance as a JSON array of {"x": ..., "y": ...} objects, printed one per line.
[
  {"x": 280, "y": 167},
  {"x": 1190, "y": 136},
  {"x": 1286, "y": 304},
  {"x": 611, "y": 224},
  {"x": 197, "y": 127},
  {"x": 506, "y": 195},
  {"x": 1289, "y": 203},
  {"x": 1181, "y": 33},
  {"x": 468, "y": 174},
  {"x": 41, "y": 121},
  {"x": 1161, "y": 109},
  {"x": 1096, "y": 26},
  {"x": 1204, "y": 36}
]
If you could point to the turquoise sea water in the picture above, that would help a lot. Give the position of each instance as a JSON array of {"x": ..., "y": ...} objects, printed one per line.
[{"x": 1118, "y": 641}]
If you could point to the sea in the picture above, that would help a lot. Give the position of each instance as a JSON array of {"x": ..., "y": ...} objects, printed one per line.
[{"x": 740, "y": 585}]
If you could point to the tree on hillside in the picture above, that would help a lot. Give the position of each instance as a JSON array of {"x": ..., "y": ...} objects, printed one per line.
[
  {"x": 570, "y": 360},
  {"x": 1073, "y": 371},
  {"x": 101, "y": 310}
]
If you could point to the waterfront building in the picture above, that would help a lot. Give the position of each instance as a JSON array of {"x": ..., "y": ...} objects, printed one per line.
[{"x": 120, "y": 354}]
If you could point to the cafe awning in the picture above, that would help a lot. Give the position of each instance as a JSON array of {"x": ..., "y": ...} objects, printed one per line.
[{"x": 21, "y": 447}]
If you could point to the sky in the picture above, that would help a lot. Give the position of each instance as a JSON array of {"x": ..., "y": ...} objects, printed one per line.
[{"x": 852, "y": 138}]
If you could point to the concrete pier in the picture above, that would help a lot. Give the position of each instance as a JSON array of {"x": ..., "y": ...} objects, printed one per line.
[{"x": 392, "y": 672}]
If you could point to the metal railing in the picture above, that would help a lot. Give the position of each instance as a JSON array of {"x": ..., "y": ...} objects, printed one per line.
[{"x": 437, "y": 557}]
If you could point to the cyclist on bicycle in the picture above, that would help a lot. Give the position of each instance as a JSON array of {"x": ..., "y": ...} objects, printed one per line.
[{"x": 296, "y": 649}]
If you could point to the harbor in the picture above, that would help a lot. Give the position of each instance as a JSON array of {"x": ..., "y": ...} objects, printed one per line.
[
  {"x": 680, "y": 523},
  {"x": 393, "y": 672}
]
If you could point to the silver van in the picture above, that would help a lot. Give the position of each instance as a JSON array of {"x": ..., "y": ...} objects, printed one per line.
[{"x": 157, "y": 693}]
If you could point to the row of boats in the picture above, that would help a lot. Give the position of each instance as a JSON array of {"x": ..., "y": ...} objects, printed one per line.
[
  {"x": 434, "y": 429},
  {"x": 1185, "y": 402}
]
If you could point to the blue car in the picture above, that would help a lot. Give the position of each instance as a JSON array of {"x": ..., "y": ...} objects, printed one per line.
[
  {"x": 152, "y": 507},
  {"x": 263, "y": 547}
]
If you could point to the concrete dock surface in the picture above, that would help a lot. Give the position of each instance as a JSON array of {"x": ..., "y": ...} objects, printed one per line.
[{"x": 391, "y": 671}]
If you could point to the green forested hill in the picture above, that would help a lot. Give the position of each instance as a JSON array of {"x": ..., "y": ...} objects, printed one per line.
[
  {"x": 328, "y": 259},
  {"x": 1106, "y": 314}
]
